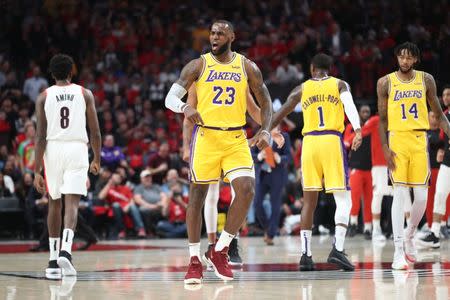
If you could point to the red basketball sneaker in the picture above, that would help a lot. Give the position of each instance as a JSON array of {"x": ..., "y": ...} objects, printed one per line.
[
  {"x": 219, "y": 261},
  {"x": 207, "y": 254},
  {"x": 194, "y": 274}
]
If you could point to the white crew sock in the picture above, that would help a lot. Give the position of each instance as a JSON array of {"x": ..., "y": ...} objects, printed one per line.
[
  {"x": 54, "y": 248},
  {"x": 67, "y": 240},
  {"x": 305, "y": 236},
  {"x": 435, "y": 228},
  {"x": 353, "y": 220},
  {"x": 224, "y": 241},
  {"x": 194, "y": 249},
  {"x": 376, "y": 225},
  {"x": 367, "y": 226}
]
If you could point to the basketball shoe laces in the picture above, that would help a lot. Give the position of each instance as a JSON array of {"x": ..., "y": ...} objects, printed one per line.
[{"x": 224, "y": 258}]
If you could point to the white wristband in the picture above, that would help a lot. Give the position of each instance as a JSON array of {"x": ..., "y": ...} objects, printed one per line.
[
  {"x": 183, "y": 108},
  {"x": 266, "y": 132}
]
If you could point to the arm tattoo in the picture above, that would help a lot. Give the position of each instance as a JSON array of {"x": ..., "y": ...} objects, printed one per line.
[
  {"x": 261, "y": 93},
  {"x": 433, "y": 101},
  {"x": 382, "y": 94},
  {"x": 190, "y": 73}
]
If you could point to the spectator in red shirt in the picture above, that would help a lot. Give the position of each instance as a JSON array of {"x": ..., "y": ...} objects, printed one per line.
[
  {"x": 175, "y": 211},
  {"x": 120, "y": 197}
]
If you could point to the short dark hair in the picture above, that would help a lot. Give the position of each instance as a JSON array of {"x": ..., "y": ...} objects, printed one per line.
[
  {"x": 409, "y": 47},
  {"x": 322, "y": 61},
  {"x": 224, "y": 22},
  {"x": 447, "y": 86},
  {"x": 61, "y": 66}
]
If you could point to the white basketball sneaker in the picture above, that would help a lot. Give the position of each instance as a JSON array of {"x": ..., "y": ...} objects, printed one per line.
[
  {"x": 399, "y": 262},
  {"x": 377, "y": 235}
]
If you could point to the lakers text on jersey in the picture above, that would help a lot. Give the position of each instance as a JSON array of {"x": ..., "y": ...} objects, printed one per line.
[
  {"x": 220, "y": 145},
  {"x": 324, "y": 157},
  {"x": 407, "y": 125},
  {"x": 66, "y": 160}
]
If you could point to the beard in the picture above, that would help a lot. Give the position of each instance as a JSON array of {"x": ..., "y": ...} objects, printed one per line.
[
  {"x": 221, "y": 50},
  {"x": 405, "y": 71}
]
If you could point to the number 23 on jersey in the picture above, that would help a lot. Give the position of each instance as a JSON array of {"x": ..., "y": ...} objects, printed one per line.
[{"x": 229, "y": 91}]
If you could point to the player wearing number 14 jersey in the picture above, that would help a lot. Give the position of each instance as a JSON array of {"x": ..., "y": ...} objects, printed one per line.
[
  {"x": 61, "y": 144},
  {"x": 402, "y": 105}
]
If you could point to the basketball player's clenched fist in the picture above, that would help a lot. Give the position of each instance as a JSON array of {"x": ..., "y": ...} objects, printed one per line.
[
  {"x": 95, "y": 167},
  {"x": 260, "y": 140},
  {"x": 39, "y": 183},
  {"x": 186, "y": 154}
]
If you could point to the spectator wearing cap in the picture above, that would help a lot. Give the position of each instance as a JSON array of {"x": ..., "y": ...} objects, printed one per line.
[
  {"x": 149, "y": 197},
  {"x": 120, "y": 196},
  {"x": 173, "y": 176}
]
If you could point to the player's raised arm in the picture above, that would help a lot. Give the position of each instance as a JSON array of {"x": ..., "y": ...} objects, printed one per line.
[
  {"x": 95, "y": 138},
  {"x": 188, "y": 126},
  {"x": 189, "y": 74},
  {"x": 382, "y": 95},
  {"x": 293, "y": 99},
  {"x": 351, "y": 112},
  {"x": 41, "y": 142},
  {"x": 259, "y": 89},
  {"x": 433, "y": 101}
]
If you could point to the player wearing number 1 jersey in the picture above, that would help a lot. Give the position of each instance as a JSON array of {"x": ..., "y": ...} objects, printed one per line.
[
  {"x": 61, "y": 143},
  {"x": 324, "y": 99},
  {"x": 402, "y": 105}
]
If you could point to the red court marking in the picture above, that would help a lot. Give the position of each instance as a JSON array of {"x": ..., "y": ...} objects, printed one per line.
[{"x": 22, "y": 248}]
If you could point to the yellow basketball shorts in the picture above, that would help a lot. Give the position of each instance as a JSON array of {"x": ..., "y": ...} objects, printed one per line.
[
  {"x": 216, "y": 153},
  {"x": 411, "y": 160},
  {"x": 324, "y": 162}
]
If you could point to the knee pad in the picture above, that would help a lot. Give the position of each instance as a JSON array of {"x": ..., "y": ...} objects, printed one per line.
[{"x": 343, "y": 206}]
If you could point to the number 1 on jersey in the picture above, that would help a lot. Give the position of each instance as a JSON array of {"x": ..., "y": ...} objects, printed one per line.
[{"x": 320, "y": 109}]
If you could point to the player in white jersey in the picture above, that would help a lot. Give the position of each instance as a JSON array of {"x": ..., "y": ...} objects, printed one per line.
[{"x": 61, "y": 144}]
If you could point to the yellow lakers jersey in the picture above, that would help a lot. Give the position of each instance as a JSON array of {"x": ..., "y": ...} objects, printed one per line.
[
  {"x": 407, "y": 103},
  {"x": 222, "y": 92},
  {"x": 322, "y": 106}
]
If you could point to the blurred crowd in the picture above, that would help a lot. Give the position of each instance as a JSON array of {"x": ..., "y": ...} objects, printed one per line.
[{"x": 129, "y": 53}]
